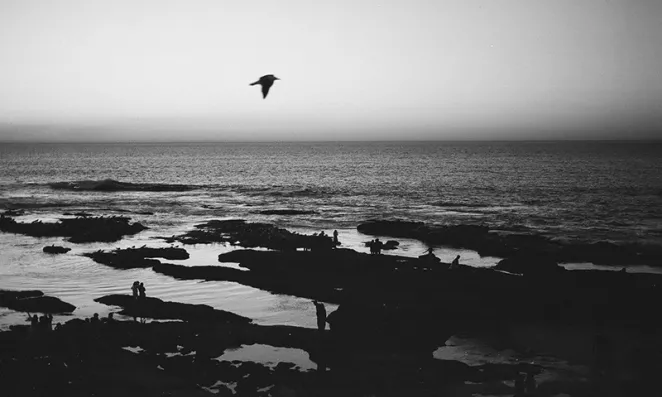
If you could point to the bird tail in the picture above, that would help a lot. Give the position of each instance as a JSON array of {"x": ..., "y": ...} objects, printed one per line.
[{"x": 257, "y": 82}]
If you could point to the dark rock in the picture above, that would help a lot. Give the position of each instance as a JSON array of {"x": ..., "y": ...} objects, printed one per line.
[
  {"x": 239, "y": 232},
  {"x": 158, "y": 309},
  {"x": 53, "y": 249},
  {"x": 79, "y": 230},
  {"x": 502, "y": 244},
  {"x": 130, "y": 258},
  {"x": 11, "y": 295},
  {"x": 390, "y": 245},
  {"x": 395, "y": 228},
  {"x": 34, "y": 302},
  {"x": 121, "y": 260}
]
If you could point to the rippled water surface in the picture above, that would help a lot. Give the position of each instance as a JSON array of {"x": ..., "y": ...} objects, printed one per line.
[{"x": 578, "y": 190}]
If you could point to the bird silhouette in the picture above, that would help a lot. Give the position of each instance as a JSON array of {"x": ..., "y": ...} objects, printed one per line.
[{"x": 266, "y": 82}]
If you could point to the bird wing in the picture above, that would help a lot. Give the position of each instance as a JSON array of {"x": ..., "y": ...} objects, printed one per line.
[{"x": 265, "y": 89}]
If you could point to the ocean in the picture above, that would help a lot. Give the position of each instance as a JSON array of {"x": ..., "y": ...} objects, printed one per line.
[
  {"x": 589, "y": 191},
  {"x": 571, "y": 190},
  {"x": 586, "y": 191}
]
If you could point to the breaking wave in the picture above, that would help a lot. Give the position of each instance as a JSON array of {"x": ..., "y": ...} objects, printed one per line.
[{"x": 111, "y": 185}]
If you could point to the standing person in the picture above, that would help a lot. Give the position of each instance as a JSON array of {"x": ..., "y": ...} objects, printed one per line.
[
  {"x": 321, "y": 315},
  {"x": 335, "y": 237},
  {"x": 134, "y": 289},
  {"x": 141, "y": 291},
  {"x": 378, "y": 246},
  {"x": 34, "y": 323},
  {"x": 530, "y": 383},
  {"x": 49, "y": 322}
]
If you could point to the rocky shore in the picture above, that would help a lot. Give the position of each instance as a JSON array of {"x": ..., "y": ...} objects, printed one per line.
[
  {"x": 489, "y": 242},
  {"x": 78, "y": 230},
  {"x": 33, "y": 302},
  {"x": 250, "y": 235},
  {"x": 393, "y": 313},
  {"x": 131, "y": 258}
]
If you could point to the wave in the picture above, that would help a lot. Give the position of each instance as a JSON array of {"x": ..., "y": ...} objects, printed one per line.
[
  {"x": 451, "y": 204},
  {"x": 282, "y": 191},
  {"x": 111, "y": 185}
]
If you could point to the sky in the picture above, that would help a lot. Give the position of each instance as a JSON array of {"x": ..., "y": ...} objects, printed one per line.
[{"x": 351, "y": 69}]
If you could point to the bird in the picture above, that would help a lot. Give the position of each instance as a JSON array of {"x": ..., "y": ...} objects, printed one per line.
[{"x": 266, "y": 82}]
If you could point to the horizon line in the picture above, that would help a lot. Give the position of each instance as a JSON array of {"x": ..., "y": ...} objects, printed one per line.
[{"x": 504, "y": 140}]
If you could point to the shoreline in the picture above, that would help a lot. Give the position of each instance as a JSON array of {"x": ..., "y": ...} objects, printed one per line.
[
  {"x": 208, "y": 255},
  {"x": 205, "y": 254}
]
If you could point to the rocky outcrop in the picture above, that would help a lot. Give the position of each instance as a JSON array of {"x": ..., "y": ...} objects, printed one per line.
[
  {"x": 34, "y": 302},
  {"x": 131, "y": 258},
  {"x": 501, "y": 244},
  {"x": 54, "y": 249},
  {"x": 296, "y": 286},
  {"x": 158, "y": 309},
  {"x": 120, "y": 260},
  {"x": 81, "y": 358},
  {"x": 239, "y": 232},
  {"x": 79, "y": 230}
]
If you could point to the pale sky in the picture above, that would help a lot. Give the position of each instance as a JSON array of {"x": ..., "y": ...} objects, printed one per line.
[{"x": 350, "y": 69}]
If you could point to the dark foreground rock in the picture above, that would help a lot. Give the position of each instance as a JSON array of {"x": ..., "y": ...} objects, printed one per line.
[
  {"x": 79, "y": 230},
  {"x": 180, "y": 359},
  {"x": 55, "y": 249},
  {"x": 34, "y": 302},
  {"x": 468, "y": 298},
  {"x": 158, "y": 309},
  {"x": 239, "y": 232},
  {"x": 492, "y": 243},
  {"x": 131, "y": 258}
]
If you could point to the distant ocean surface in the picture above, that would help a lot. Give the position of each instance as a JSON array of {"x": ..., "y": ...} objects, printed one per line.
[
  {"x": 571, "y": 190},
  {"x": 574, "y": 191}
]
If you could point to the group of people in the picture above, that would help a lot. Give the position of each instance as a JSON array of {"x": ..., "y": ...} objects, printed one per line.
[
  {"x": 96, "y": 320},
  {"x": 525, "y": 385},
  {"x": 138, "y": 290},
  {"x": 375, "y": 246},
  {"x": 41, "y": 323},
  {"x": 323, "y": 241}
]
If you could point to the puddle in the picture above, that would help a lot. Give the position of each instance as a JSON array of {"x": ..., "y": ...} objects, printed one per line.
[{"x": 269, "y": 356}]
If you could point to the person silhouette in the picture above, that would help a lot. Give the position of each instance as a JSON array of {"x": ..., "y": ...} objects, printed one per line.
[
  {"x": 34, "y": 323},
  {"x": 321, "y": 315},
  {"x": 455, "y": 263},
  {"x": 141, "y": 291},
  {"x": 335, "y": 237},
  {"x": 378, "y": 246},
  {"x": 519, "y": 386},
  {"x": 134, "y": 289},
  {"x": 530, "y": 383}
]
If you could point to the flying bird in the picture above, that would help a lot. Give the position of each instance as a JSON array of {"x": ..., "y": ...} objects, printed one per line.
[{"x": 266, "y": 82}]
